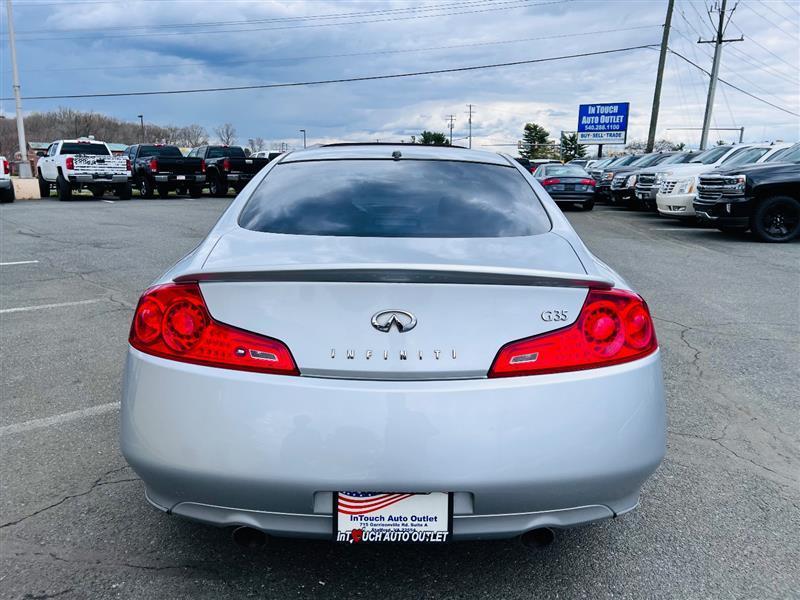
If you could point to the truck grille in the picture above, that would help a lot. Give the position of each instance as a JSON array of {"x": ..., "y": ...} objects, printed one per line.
[
  {"x": 618, "y": 182},
  {"x": 713, "y": 188},
  {"x": 646, "y": 180},
  {"x": 667, "y": 186}
]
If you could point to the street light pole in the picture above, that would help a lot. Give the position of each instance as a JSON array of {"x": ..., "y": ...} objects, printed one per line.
[
  {"x": 24, "y": 165},
  {"x": 303, "y": 131},
  {"x": 141, "y": 122}
]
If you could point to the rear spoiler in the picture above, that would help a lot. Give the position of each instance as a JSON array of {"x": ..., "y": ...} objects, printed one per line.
[{"x": 409, "y": 273}]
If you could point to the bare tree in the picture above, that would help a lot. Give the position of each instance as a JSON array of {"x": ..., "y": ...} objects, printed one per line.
[
  {"x": 257, "y": 144},
  {"x": 194, "y": 135},
  {"x": 226, "y": 133}
]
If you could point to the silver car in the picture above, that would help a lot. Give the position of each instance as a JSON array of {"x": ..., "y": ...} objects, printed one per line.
[{"x": 393, "y": 343}]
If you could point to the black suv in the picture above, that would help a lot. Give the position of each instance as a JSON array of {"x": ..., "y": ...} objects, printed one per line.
[{"x": 764, "y": 198}]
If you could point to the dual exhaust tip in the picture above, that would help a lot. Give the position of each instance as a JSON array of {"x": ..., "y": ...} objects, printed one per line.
[{"x": 251, "y": 538}]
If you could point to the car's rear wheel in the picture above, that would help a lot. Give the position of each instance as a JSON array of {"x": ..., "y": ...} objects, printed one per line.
[
  {"x": 64, "y": 189},
  {"x": 7, "y": 195},
  {"x": 776, "y": 219},
  {"x": 587, "y": 206},
  {"x": 44, "y": 186},
  {"x": 146, "y": 188}
]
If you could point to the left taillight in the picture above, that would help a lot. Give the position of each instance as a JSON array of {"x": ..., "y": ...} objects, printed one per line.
[
  {"x": 69, "y": 163},
  {"x": 226, "y": 165},
  {"x": 550, "y": 181},
  {"x": 172, "y": 321},
  {"x": 614, "y": 327},
  {"x": 202, "y": 165},
  {"x": 6, "y": 169}
]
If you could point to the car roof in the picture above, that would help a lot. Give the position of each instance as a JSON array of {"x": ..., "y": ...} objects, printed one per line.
[{"x": 386, "y": 151}]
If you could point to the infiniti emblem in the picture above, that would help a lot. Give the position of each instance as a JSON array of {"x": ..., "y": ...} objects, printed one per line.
[{"x": 386, "y": 319}]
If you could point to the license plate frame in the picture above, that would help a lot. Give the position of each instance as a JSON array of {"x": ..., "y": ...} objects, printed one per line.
[{"x": 396, "y": 532}]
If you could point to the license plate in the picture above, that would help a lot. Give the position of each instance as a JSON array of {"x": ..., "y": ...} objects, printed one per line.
[
  {"x": 368, "y": 517},
  {"x": 556, "y": 188},
  {"x": 248, "y": 162},
  {"x": 181, "y": 177}
]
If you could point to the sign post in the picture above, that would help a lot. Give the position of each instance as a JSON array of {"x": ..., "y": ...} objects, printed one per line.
[{"x": 603, "y": 123}]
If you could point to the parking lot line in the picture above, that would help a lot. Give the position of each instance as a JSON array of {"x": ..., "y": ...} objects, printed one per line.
[
  {"x": 18, "y": 262},
  {"x": 44, "y": 306},
  {"x": 75, "y": 415}
]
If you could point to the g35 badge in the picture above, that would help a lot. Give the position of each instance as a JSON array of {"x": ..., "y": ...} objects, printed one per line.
[{"x": 554, "y": 315}]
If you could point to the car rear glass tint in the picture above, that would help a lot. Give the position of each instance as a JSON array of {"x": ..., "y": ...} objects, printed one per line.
[
  {"x": 160, "y": 151},
  {"x": 87, "y": 148},
  {"x": 225, "y": 152},
  {"x": 565, "y": 171},
  {"x": 402, "y": 198}
]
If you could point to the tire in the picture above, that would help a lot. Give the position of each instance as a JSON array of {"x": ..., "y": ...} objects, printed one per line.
[
  {"x": 64, "y": 189},
  {"x": 215, "y": 185},
  {"x": 98, "y": 192},
  {"x": 7, "y": 196},
  {"x": 776, "y": 219},
  {"x": 163, "y": 191},
  {"x": 44, "y": 186},
  {"x": 587, "y": 206},
  {"x": 731, "y": 230},
  {"x": 146, "y": 189},
  {"x": 124, "y": 191},
  {"x": 196, "y": 191}
]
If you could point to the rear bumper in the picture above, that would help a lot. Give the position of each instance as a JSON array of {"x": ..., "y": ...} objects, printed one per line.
[
  {"x": 235, "y": 448},
  {"x": 172, "y": 178},
  {"x": 675, "y": 205},
  {"x": 99, "y": 178},
  {"x": 239, "y": 177},
  {"x": 580, "y": 197}
]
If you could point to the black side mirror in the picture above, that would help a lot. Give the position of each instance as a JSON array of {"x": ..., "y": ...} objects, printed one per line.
[{"x": 41, "y": 153}]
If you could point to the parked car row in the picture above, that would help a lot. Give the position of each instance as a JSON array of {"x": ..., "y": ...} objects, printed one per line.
[
  {"x": 733, "y": 188},
  {"x": 75, "y": 165}
]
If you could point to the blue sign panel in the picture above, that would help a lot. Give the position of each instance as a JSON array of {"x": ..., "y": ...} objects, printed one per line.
[{"x": 603, "y": 123}]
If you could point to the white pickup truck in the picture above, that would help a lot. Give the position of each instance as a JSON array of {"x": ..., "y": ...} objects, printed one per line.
[
  {"x": 6, "y": 186},
  {"x": 83, "y": 163}
]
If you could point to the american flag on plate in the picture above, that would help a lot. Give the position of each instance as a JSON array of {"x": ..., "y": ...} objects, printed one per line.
[{"x": 362, "y": 503}]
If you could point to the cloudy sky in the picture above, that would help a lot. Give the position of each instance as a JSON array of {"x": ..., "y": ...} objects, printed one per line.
[{"x": 100, "y": 46}]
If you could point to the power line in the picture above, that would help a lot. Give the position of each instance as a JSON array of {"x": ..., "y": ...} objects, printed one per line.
[
  {"x": 750, "y": 38},
  {"x": 342, "y": 55},
  {"x": 342, "y": 80},
  {"x": 519, "y": 4},
  {"x": 735, "y": 87},
  {"x": 771, "y": 22},
  {"x": 763, "y": 66}
]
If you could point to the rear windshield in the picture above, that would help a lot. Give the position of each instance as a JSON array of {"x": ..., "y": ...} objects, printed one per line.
[
  {"x": 81, "y": 148},
  {"x": 160, "y": 151},
  {"x": 564, "y": 171},
  {"x": 225, "y": 151},
  {"x": 403, "y": 198}
]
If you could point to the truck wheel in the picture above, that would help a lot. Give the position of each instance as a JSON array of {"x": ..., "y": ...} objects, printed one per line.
[
  {"x": 124, "y": 191},
  {"x": 216, "y": 187},
  {"x": 64, "y": 189},
  {"x": 196, "y": 191},
  {"x": 98, "y": 191},
  {"x": 146, "y": 187},
  {"x": 44, "y": 186},
  {"x": 776, "y": 219},
  {"x": 163, "y": 190},
  {"x": 7, "y": 195}
]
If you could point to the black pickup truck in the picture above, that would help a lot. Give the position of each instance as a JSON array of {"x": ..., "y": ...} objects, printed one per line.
[
  {"x": 165, "y": 168},
  {"x": 762, "y": 197},
  {"x": 227, "y": 166}
]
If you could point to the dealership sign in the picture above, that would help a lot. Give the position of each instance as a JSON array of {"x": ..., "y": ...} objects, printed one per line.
[{"x": 603, "y": 123}]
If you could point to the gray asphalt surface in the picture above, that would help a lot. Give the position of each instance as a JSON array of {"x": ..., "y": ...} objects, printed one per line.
[{"x": 720, "y": 519}]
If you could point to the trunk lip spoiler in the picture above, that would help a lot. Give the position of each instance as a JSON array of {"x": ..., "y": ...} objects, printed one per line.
[{"x": 401, "y": 273}]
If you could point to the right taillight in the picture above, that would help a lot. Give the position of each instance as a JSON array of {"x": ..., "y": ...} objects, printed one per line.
[
  {"x": 6, "y": 170},
  {"x": 154, "y": 165},
  {"x": 614, "y": 327},
  {"x": 172, "y": 321}
]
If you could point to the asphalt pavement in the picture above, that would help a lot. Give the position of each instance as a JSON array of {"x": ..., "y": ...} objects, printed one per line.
[{"x": 720, "y": 519}]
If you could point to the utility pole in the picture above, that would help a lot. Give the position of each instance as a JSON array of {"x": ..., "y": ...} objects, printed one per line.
[
  {"x": 662, "y": 60},
  {"x": 141, "y": 122},
  {"x": 24, "y": 165},
  {"x": 718, "y": 40},
  {"x": 470, "y": 125},
  {"x": 451, "y": 119},
  {"x": 303, "y": 131}
]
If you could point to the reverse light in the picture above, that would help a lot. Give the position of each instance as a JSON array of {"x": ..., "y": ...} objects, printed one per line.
[
  {"x": 154, "y": 165},
  {"x": 551, "y": 181},
  {"x": 173, "y": 322},
  {"x": 69, "y": 163},
  {"x": 614, "y": 327}
]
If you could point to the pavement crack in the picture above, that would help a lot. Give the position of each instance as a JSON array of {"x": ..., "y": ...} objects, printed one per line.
[
  {"x": 97, "y": 483},
  {"x": 44, "y": 596}
]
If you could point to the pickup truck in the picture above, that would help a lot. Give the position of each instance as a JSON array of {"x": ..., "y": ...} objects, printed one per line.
[
  {"x": 165, "y": 168},
  {"x": 6, "y": 186},
  {"x": 72, "y": 165},
  {"x": 763, "y": 197},
  {"x": 227, "y": 166}
]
